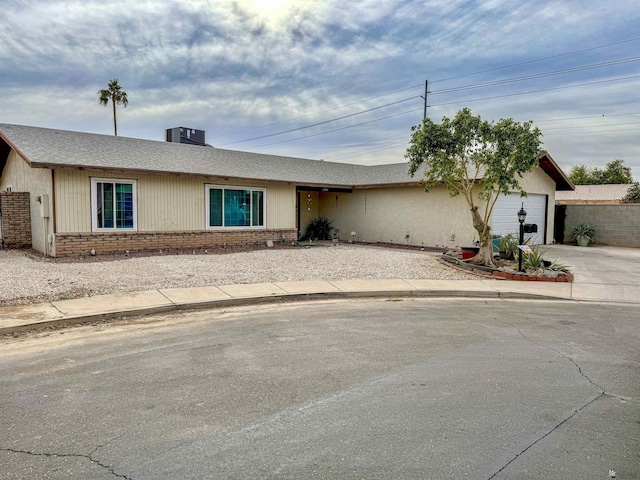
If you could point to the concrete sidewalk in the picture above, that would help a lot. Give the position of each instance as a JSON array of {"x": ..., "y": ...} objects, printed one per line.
[{"x": 26, "y": 317}]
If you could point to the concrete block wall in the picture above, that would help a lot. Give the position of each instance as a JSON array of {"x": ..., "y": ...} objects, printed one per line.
[
  {"x": 16, "y": 219},
  {"x": 617, "y": 225},
  {"x": 74, "y": 244}
]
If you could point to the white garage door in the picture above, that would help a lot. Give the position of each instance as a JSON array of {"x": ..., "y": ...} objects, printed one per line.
[{"x": 505, "y": 215}]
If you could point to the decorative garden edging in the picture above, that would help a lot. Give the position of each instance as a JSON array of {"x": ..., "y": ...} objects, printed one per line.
[{"x": 502, "y": 275}]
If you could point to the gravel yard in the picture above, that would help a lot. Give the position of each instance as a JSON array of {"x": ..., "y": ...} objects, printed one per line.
[{"x": 27, "y": 278}]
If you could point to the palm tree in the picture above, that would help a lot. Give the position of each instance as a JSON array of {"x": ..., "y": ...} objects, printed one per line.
[{"x": 114, "y": 93}]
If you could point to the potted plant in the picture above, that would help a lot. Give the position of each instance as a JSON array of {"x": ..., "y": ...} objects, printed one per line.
[{"x": 584, "y": 234}]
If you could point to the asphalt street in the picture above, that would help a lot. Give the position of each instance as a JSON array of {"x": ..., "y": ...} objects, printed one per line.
[{"x": 355, "y": 389}]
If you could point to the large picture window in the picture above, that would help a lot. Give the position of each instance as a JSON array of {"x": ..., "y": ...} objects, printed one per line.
[
  {"x": 113, "y": 204},
  {"x": 235, "y": 207}
]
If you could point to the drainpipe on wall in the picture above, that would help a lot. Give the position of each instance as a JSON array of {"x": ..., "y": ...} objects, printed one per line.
[{"x": 44, "y": 213}]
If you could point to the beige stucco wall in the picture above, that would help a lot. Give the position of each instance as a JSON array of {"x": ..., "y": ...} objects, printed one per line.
[
  {"x": 429, "y": 218},
  {"x": 389, "y": 214},
  {"x": 18, "y": 175},
  {"x": 165, "y": 203}
]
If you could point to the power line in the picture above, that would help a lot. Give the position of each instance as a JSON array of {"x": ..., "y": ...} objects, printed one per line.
[
  {"x": 386, "y": 146},
  {"x": 336, "y": 129},
  {"x": 538, "y": 60},
  {"x": 415, "y": 110},
  {"x": 594, "y": 131},
  {"x": 324, "y": 111},
  {"x": 538, "y": 75},
  {"x": 419, "y": 85},
  {"x": 538, "y": 91},
  {"x": 588, "y": 116},
  {"x": 441, "y": 104},
  {"x": 594, "y": 125},
  {"x": 321, "y": 123}
]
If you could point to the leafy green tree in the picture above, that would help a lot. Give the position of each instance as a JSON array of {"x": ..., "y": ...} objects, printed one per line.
[
  {"x": 616, "y": 172},
  {"x": 580, "y": 175},
  {"x": 478, "y": 159},
  {"x": 114, "y": 93},
  {"x": 633, "y": 194}
]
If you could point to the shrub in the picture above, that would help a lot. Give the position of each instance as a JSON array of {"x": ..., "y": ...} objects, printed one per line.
[
  {"x": 319, "y": 228},
  {"x": 558, "y": 267},
  {"x": 534, "y": 259},
  {"x": 509, "y": 244}
]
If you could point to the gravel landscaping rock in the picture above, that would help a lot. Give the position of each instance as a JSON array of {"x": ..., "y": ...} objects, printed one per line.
[{"x": 29, "y": 278}]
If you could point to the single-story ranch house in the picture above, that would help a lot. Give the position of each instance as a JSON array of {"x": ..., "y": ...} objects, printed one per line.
[{"x": 67, "y": 193}]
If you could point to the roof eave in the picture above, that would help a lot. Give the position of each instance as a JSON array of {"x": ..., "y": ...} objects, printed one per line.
[
  {"x": 5, "y": 149},
  {"x": 137, "y": 171},
  {"x": 551, "y": 168}
]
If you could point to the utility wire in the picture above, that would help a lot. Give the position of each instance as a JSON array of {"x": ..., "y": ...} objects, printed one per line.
[
  {"x": 594, "y": 131},
  {"x": 594, "y": 125},
  {"x": 588, "y": 116},
  {"x": 538, "y": 91},
  {"x": 419, "y": 109},
  {"x": 322, "y": 123},
  {"x": 537, "y": 75},
  {"x": 325, "y": 111},
  {"x": 497, "y": 82},
  {"x": 337, "y": 129},
  {"x": 537, "y": 60},
  {"x": 380, "y": 146},
  {"x": 435, "y": 81}
]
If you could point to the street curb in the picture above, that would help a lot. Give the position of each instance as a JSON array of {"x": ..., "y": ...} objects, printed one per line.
[{"x": 267, "y": 299}]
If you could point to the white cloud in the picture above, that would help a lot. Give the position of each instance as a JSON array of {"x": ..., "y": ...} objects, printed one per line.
[{"x": 229, "y": 66}]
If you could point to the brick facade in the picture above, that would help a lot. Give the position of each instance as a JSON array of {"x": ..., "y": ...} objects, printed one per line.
[
  {"x": 74, "y": 244},
  {"x": 15, "y": 215}
]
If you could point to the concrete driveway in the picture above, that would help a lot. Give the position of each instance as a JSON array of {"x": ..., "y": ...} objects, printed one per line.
[{"x": 600, "y": 272}]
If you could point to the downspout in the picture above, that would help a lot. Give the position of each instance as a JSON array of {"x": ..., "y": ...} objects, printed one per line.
[{"x": 53, "y": 210}]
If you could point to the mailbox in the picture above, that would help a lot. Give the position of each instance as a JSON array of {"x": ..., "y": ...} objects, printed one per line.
[{"x": 530, "y": 228}]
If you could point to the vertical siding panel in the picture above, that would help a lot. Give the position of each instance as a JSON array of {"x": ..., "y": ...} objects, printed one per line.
[
  {"x": 73, "y": 201},
  {"x": 281, "y": 206},
  {"x": 168, "y": 204}
]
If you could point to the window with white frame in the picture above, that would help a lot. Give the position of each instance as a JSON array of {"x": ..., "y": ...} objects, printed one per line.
[
  {"x": 235, "y": 207},
  {"x": 113, "y": 204}
]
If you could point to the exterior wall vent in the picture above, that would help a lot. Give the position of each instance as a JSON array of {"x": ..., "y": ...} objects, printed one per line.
[{"x": 189, "y": 136}]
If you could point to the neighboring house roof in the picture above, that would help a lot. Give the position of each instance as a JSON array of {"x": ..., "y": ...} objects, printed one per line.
[
  {"x": 50, "y": 148},
  {"x": 612, "y": 193}
]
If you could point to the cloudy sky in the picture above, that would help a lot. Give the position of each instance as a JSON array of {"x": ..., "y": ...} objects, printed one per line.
[{"x": 335, "y": 80}]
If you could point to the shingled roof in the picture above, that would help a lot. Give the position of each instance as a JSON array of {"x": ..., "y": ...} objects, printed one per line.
[
  {"x": 51, "y": 148},
  {"x": 612, "y": 193}
]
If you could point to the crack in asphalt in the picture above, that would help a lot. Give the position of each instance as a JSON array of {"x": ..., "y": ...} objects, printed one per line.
[
  {"x": 546, "y": 434},
  {"x": 563, "y": 355},
  {"x": 603, "y": 393},
  {"x": 68, "y": 455}
]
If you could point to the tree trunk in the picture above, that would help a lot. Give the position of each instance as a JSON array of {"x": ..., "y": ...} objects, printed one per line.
[
  {"x": 115, "y": 126},
  {"x": 485, "y": 254}
]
